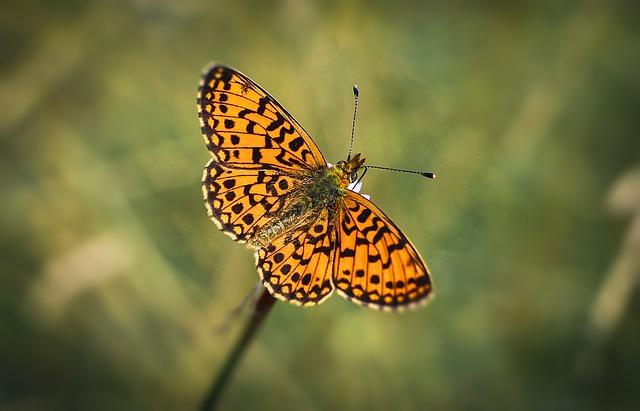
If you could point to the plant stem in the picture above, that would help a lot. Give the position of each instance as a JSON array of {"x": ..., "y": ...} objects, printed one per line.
[{"x": 262, "y": 308}]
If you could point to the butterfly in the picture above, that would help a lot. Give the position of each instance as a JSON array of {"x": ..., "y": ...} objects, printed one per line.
[{"x": 269, "y": 187}]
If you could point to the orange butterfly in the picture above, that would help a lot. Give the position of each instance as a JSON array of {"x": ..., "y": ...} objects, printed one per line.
[{"x": 269, "y": 186}]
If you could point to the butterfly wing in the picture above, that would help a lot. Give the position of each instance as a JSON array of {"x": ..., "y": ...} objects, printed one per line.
[
  {"x": 245, "y": 127},
  {"x": 375, "y": 264},
  {"x": 297, "y": 267},
  {"x": 240, "y": 201},
  {"x": 260, "y": 153}
]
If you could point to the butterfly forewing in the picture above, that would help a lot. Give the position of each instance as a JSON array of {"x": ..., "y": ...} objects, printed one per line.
[
  {"x": 245, "y": 127},
  {"x": 375, "y": 264}
]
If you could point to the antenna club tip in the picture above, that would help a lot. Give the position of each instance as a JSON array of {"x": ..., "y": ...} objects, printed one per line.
[
  {"x": 429, "y": 175},
  {"x": 356, "y": 90}
]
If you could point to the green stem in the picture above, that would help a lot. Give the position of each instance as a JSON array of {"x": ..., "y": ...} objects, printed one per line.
[{"x": 262, "y": 308}]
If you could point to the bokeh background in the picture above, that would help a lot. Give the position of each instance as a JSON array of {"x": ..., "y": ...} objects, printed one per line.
[{"x": 114, "y": 283}]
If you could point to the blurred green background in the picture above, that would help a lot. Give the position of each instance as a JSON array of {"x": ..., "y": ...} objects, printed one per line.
[{"x": 113, "y": 281}]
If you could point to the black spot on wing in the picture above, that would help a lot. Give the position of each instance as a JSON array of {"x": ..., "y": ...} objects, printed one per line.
[
  {"x": 364, "y": 215},
  {"x": 296, "y": 143}
]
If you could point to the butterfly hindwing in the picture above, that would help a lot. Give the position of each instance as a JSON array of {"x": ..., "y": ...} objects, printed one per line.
[
  {"x": 375, "y": 264},
  {"x": 246, "y": 127},
  {"x": 297, "y": 267},
  {"x": 240, "y": 201}
]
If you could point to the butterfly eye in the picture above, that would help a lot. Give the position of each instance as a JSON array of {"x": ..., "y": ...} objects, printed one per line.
[{"x": 340, "y": 164}]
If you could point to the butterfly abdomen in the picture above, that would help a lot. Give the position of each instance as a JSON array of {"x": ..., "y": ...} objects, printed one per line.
[{"x": 304, "y": 207}]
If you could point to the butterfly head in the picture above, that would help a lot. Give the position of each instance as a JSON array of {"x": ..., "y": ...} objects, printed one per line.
[{"x": 347, "y": 171}]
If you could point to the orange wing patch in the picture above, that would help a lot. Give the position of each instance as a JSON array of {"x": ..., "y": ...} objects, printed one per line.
[
  {"x": 245, "y": 127},
  {"x": 297, "y": 267},
  {"x": 240, "y": 201},
  {"x": 375, "y": 264}
]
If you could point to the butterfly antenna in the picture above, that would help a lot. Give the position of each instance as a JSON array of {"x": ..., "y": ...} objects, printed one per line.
[
  {"x": 356, "y": 94},
  {"x": 422, "y": 173}
]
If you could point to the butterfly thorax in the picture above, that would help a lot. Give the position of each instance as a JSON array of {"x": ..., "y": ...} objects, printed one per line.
[{"x": 323, "y": 189}]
